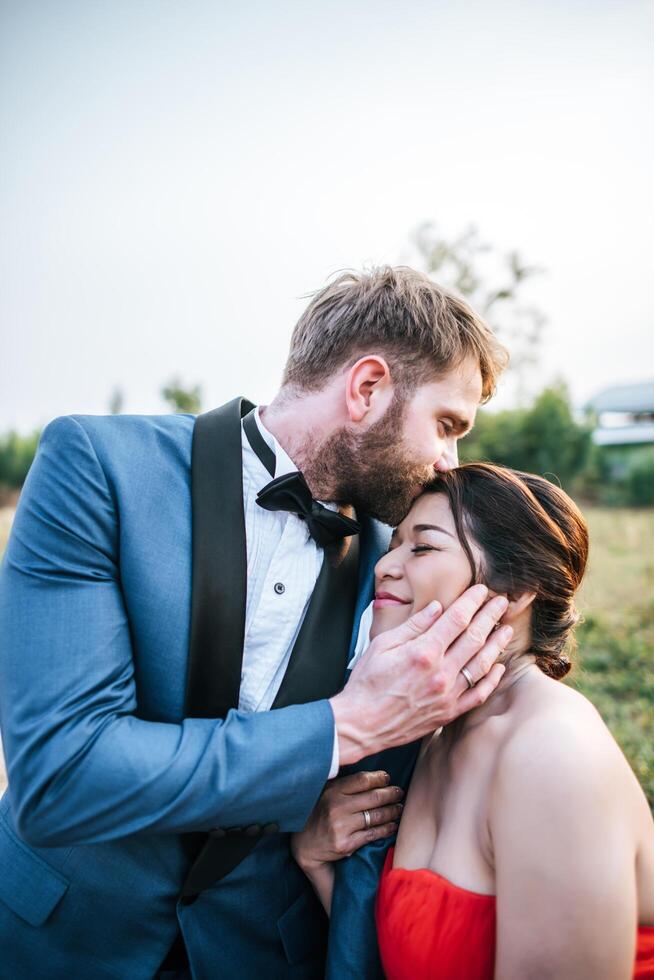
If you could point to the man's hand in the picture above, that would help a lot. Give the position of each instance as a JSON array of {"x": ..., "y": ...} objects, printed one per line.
[{"x": 409, "y": 681}]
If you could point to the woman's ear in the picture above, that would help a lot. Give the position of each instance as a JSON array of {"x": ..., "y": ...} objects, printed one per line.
[{"x": 517, "y": 606}]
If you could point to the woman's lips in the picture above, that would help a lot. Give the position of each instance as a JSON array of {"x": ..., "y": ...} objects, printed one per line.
[{"x": 385, "y": 599}]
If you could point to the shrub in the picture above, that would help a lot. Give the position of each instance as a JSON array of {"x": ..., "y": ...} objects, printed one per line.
[
  {"x": 640, "y": 481},
  {"x": 16, "y": 455},
  {"x": 543, "y": 439}
]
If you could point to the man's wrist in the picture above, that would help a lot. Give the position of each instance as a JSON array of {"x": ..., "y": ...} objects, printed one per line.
[{"x": 354, "y": 742}]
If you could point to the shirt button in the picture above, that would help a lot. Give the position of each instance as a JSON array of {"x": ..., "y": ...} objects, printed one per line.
[{"x": 280, "y": 588}]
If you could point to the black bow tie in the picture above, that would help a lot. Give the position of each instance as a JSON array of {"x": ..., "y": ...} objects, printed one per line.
[{"x": 291, "y": 493}]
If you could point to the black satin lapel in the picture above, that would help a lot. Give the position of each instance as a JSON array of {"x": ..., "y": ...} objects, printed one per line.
[
  {"x": 219, "y": 575},
  {"x": 320, "y": 655}
]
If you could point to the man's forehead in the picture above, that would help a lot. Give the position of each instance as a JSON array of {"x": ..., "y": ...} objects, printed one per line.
[
  {"x": 463, "y": 382},
  {"x": 456, "y": 392}
]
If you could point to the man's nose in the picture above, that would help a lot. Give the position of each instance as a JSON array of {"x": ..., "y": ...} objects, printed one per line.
[{"x": 449, "y": 460}]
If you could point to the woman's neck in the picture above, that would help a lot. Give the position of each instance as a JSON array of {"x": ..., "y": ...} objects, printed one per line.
[{"x": 521, "y": 671}]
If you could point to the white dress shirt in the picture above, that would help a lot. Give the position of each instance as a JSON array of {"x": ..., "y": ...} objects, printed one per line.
[
  {"x": 284, "y": 563},
  {"x": 363, "y": 637}
]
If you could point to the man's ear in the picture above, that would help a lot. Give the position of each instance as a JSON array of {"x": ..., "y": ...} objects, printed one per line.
[
  {"x": 368, "y": 388},
  {"x": 517, "y": 606}
]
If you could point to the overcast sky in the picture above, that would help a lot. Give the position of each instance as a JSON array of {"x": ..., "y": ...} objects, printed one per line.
[{"x": 175, "y": 176}]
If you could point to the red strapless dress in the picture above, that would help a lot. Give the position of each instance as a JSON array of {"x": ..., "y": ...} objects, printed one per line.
[{"x": 430, "y": 929}]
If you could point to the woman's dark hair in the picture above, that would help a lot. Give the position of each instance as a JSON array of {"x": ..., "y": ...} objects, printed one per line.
[{"x": 532, "y": 538}]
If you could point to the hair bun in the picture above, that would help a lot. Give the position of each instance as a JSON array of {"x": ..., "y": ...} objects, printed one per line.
[{"x": 556, "y": 667}]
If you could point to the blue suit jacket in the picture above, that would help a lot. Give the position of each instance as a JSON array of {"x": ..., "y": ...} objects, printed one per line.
[{"x": 105, "y": 772}]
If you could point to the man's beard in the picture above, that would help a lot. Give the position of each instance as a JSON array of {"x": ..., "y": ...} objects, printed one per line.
[{"x": 372, "y": 471}]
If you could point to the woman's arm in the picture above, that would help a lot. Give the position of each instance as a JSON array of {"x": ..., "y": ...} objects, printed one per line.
[
  {"x": 564, "y": 855},
  {"x": 337, "y": 826}
]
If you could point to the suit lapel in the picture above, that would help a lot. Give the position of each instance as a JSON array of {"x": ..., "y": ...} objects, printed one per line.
[
  {"x": 219, "y": 575},
  {"x": 319, "y": 657}
]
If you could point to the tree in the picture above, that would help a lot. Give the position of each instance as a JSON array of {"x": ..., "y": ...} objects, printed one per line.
[
  {"x": 543, "y": 438},
  {"x": 182, "y": 399},
  {"x": 116, "y": 401},
  {"x": 16, "y": 455},
  {"x": 467, "y": 265}
]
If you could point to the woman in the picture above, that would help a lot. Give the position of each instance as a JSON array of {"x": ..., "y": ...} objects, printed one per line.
[{"x": 526, "y": 847}]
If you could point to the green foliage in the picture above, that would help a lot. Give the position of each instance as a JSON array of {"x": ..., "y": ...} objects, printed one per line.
[
  {"x": 620, "y": 476},
  {"x": 543, "y": 439},
  {"x": 182, "y": 399},
  {"x": 640, "y": 481},
  {"x": 16, "y": 455}
]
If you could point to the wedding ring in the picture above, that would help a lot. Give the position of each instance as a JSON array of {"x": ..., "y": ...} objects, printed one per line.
[
  {"x": 468, "y": 676},
  {"x": 366, "y": 817}
]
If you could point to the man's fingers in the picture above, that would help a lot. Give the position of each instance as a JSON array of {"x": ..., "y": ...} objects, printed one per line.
[
  {"x": 479, "y": 664},
  {"x": 478, "y": 634},
  {"x": 481, "y": 691},
  {"x": 456, "y": 619}
]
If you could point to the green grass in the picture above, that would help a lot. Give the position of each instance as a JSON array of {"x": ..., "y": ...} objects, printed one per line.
[{"x": 615, "y": 659}]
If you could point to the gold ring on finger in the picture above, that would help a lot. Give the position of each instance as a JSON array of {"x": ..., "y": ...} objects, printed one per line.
[
  {"x": 468, "y": 676},
  {"x": 367, "y": 819}
]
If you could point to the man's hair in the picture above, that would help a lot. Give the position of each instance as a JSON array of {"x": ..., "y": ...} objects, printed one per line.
[{"x": 421, "y": 329}]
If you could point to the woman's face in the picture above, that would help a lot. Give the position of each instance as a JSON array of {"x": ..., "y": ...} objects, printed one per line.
[{"x": 425, "y": 561}]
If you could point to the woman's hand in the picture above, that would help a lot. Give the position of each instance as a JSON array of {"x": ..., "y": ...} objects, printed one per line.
[{"x": 338, "y": 826}]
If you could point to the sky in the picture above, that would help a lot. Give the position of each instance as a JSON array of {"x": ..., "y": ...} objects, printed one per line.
[{"x": 177, "y": 177}]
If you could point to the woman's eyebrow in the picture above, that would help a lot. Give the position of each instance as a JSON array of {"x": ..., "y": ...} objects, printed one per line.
[{"x": 431, "y": 527}]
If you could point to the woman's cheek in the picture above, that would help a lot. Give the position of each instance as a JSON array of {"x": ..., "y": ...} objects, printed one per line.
[{"x": 388, "y": 619}]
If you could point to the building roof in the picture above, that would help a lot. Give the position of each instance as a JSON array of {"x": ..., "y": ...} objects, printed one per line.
[
  {"x": 624, "y": 435},
  {"x": 631, "y": 399}
]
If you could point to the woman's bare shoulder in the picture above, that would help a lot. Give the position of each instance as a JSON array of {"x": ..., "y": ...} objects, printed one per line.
[{"x": 560, "y": 749}]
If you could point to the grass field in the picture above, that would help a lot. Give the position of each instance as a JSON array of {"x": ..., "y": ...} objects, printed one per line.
[
  {"x": 615, "y": 662},
  {"x": 616, "y": 640}
]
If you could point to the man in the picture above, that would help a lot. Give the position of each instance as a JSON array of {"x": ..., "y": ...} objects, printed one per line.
[{"x": 168, "y": 583}]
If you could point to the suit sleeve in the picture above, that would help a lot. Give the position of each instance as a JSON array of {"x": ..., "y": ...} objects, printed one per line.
[{"x": 82, "y": 766}]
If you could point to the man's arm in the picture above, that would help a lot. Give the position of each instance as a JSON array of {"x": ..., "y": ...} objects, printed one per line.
[{"x": 82, "y": 766}]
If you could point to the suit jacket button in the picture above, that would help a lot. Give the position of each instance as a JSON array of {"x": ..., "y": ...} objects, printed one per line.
[
  {"x": 254, "y": 830},
  {"x": 217, "y": 833},
  {"x": 270, "y": 828}
]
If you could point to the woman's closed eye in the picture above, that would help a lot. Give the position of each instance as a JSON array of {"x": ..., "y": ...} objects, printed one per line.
[{"x": 420, "y": 548}]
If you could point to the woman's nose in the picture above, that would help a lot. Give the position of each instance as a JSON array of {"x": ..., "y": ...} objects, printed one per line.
[{"x": 389, "y": 566}]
